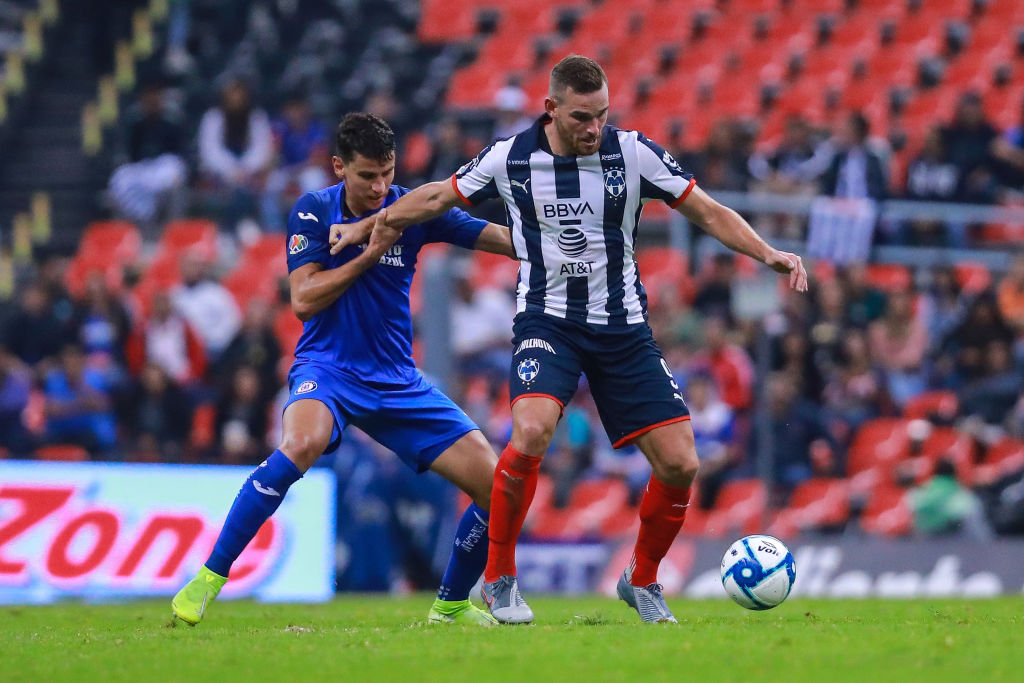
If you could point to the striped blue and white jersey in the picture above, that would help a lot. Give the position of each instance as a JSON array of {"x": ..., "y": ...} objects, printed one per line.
[{"x": 574, "y": 219}]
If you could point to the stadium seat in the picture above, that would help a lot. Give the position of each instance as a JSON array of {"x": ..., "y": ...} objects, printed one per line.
[
  {"x": 665, "y": 270},
  {"x": 946, "y": 442},
  {"x": 62, "y": 452},
  {"x": 877, "y": 446},
  {"x": 889, "y": 277},
  {"x": 973, "y": 278},
  {"x": 739, "y": 509},
  {"x": 1001, "y": 458},
  {"x": 442, "y": 21},
  {"x": 287, "y": 329},
  {"x": 197, "y": 234},
  {"x": 923, "y": 406},
  {"x": 591, "y": 503},
  {"x": 119, "y": 241},
  {"x": 815, "y": 504},
  {"x": 542, "y": 501},
  {"x": 493, "y": 271},
  {"x": 203, "y": 433},
  {"x": 886, "y": 512}
]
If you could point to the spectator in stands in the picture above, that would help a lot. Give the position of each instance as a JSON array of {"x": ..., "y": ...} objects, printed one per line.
[
  {"x": 792, "y": 355},
  {"x": 34, "y": 332},
  {"x": 103, "y": 323},
  {"x": 899, "y": 341},
  {"x": 78, "y": 405},
  {"x": 157, "y": 416},
  {"x": 942, "y": 506},
  {"x": 510, "y": 110},
  {"x": 168, "y": 341},
  {"x": 794, "y": 426},
  {"x": 206, "y": 304},
  {"x": 852, "y": 168},
  {"x": 15, "y": 385},
  {"x": 968, "y": 141},
  {"x": 992, "y": 397},
  {"x": 447, "y": 149},
  {"x": 714, "y": 294},
  {"x": 864, "y": 301},
  {"x": 942, "y": 303},
  {"x": 254, "y": 346},
  {"x": 966, "y": 343},
  {"x": 300, "y": 144},
  {"x": 722, "y": 163},
  {"x": 242, "y": 419},
  {"x": 235, "y": 150},
  {"x": 932, "y": 177},
  {"x": 1009, "y": 151},
  {"x": 829, "y": 324},
  {"x": 481, "y": 325},
  {"x": 1010, "y": 296},
  {"x": 787, "y": 168},
  {"x": 53, "y": 277},
  {"x": 148, "y": 186},
  {"x": 728, "y": 363},
  {"x": 714, "y": 433},
  {"x": 856, "y": 390}
]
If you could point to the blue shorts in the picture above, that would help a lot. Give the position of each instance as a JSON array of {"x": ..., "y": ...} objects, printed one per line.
[
  {"x": 414, "y": 419},
  {"x": 631, "y": 383}
]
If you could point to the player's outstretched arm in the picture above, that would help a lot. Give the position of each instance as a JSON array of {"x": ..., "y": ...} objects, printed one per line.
[
  {"x": 497, "y": 239},
  {"x": 425, "y": 202},
  {"x": 729, "y": 228},
  {"x": 313, "y": 289}
]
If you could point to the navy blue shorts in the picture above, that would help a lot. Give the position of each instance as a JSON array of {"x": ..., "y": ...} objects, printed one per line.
[
  {"x": 415, "y": 420},
  {"x": 632, "y": 384}
]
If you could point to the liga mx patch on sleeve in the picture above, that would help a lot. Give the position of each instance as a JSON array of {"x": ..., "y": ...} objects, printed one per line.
[
  {"x": 297, "y": 244},
  {"x": 306, "y": 387}
]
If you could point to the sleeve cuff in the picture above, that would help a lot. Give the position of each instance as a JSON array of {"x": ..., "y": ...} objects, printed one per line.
[
  {"x": 455, "y": 185},
  {"x": 676, "y": 202}
]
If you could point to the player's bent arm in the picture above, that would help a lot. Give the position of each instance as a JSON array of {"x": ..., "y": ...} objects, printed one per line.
[
  {"x": 729, "y": 228},
  {"x": 425, "y": 202},
  {"x": 497, "y": 239},
  {"x": 313, "y": 289}
]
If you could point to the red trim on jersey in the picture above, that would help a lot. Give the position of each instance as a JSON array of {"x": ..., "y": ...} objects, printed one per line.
[
  {"x": 560, "y": 404},
  {"x": 629, "y": 437},
  {"x": 455, "y": 184},
  {"x": 693, "y": 181}
]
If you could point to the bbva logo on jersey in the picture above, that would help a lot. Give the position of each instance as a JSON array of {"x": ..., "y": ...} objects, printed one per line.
[{"x": 297, "y": 243}]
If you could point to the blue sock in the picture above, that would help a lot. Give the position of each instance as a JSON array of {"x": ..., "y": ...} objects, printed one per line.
[
  {"x": 259, "y": 497},
  {"x": 469, "y": 555}
]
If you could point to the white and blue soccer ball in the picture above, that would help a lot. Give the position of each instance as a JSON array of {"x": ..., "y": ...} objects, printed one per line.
[{"x": 758, "y": 572}]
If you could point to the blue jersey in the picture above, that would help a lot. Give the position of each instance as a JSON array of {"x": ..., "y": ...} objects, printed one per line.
[{"x": 367, "y": 331}]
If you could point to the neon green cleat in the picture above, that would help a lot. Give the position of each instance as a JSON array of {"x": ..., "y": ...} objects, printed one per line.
[
  {"x": 190, "y": 602},
  {"x": 459, "y": 612}
]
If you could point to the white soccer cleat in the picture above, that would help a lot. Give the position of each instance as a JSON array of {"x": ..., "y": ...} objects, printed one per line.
[
  {"x": 506, "y": 604},
  {"x": 648, "y": 601}
]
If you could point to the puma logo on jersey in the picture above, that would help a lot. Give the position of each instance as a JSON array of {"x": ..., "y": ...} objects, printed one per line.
[
  {"x": 521, "y": 185},
  {"x": 308, "y": 217}
]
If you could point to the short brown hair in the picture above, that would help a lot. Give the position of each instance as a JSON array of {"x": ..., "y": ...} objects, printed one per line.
[{"x": 580, "y": 73}]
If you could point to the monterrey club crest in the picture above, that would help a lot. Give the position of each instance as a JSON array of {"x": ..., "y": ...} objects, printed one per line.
[
  {"x": 528, "y": 369},
  {"x": 297, "y": 243},
  {"x": 615, "y": 181}
]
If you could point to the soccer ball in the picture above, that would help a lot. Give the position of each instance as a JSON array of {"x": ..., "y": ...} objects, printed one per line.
[{"x": 758, "y": 572}]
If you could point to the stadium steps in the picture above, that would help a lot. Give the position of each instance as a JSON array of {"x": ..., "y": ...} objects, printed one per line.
[{"x": 45, "y": 151}]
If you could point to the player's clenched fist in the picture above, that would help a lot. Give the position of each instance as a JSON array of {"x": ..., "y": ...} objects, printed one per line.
[{"x": 345, "y": 234}]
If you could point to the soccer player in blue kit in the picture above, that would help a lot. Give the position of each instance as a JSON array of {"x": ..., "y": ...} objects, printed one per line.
[{"x": 353, "y": 365}]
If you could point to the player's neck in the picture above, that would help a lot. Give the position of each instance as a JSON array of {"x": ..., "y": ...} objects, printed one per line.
[{"x": 555, "y": 142}]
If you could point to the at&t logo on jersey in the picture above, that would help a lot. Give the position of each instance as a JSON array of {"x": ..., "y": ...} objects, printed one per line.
[
  {"x": 572, "y": 242},
  {"x": 615, "y": 181},
  {"x": 306, "y": 387},
  {"x": 297, "y": 243},
  {"x": 528, "y": 369}
]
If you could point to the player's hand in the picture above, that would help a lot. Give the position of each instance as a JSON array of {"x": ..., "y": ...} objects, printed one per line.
[
  {"x": 347, "y": 234},
  {"x": 382, "y": 236},
  {"x": 789, "y": 264}
]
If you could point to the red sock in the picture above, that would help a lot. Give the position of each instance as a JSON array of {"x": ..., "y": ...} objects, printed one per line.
[
  {"x": 662, "y": 510},
  {"x": 515, "y": 482}
]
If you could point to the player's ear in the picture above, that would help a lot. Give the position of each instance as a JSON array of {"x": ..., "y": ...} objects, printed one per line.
[
  {"x": 550, "y": 105},
  {"x": 339, "y": 167}
]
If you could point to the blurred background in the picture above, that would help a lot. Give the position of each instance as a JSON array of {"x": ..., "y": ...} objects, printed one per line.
[{"x": 152, "y": 150}]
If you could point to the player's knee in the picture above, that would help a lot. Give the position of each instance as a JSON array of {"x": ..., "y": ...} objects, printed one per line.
[
  {"x": 678, "y": 469},
  {"x": 532, "y": 436},
  {"x": 302, "y": 449}
]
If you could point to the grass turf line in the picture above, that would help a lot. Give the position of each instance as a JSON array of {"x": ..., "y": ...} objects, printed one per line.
[{"x": 587, "y": 638}]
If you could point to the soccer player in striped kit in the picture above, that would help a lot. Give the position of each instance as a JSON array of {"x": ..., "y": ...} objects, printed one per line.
[{"x": 574, "y": 188}]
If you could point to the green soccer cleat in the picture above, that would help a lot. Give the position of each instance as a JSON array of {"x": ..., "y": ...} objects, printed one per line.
[
  {"x": 190, "y": 602},
  {"x": 459, "y": 612}
]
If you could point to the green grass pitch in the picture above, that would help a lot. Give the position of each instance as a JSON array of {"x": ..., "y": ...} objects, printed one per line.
[{"x": 578, "y": 640}]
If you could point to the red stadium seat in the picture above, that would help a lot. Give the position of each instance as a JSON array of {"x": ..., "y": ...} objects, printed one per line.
[
  {"x": 923, "y": 406},
  {"x": 973, "y": 278},
  {"x": 541, "y": 501},
  {"x": 877, "y": 446},
  {"x": 1001, "y": 458},
  {"x": 119, "y": 241},
  {"x": 889, "y": 277},
  {"x": 946, "y": 442},
  {"x": 815, "y": 503},
  {"x": 739, "y": 509},
  {"x": 287, "y": 329},
  {"x": 62, "y": 452},
  {"x": 886, "y": 512},
  {"x": 493, "y": 270},
  {"x": 665, "y": 271},
  {"x": 203, "y": 434},
  {"x": 197, "y": 234},
  {"x": 591, "y": 504},
  {"x": 442, "y": 21}
]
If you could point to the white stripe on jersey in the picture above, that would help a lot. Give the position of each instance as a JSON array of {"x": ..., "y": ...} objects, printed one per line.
[{"x": 558, "y": 215}]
